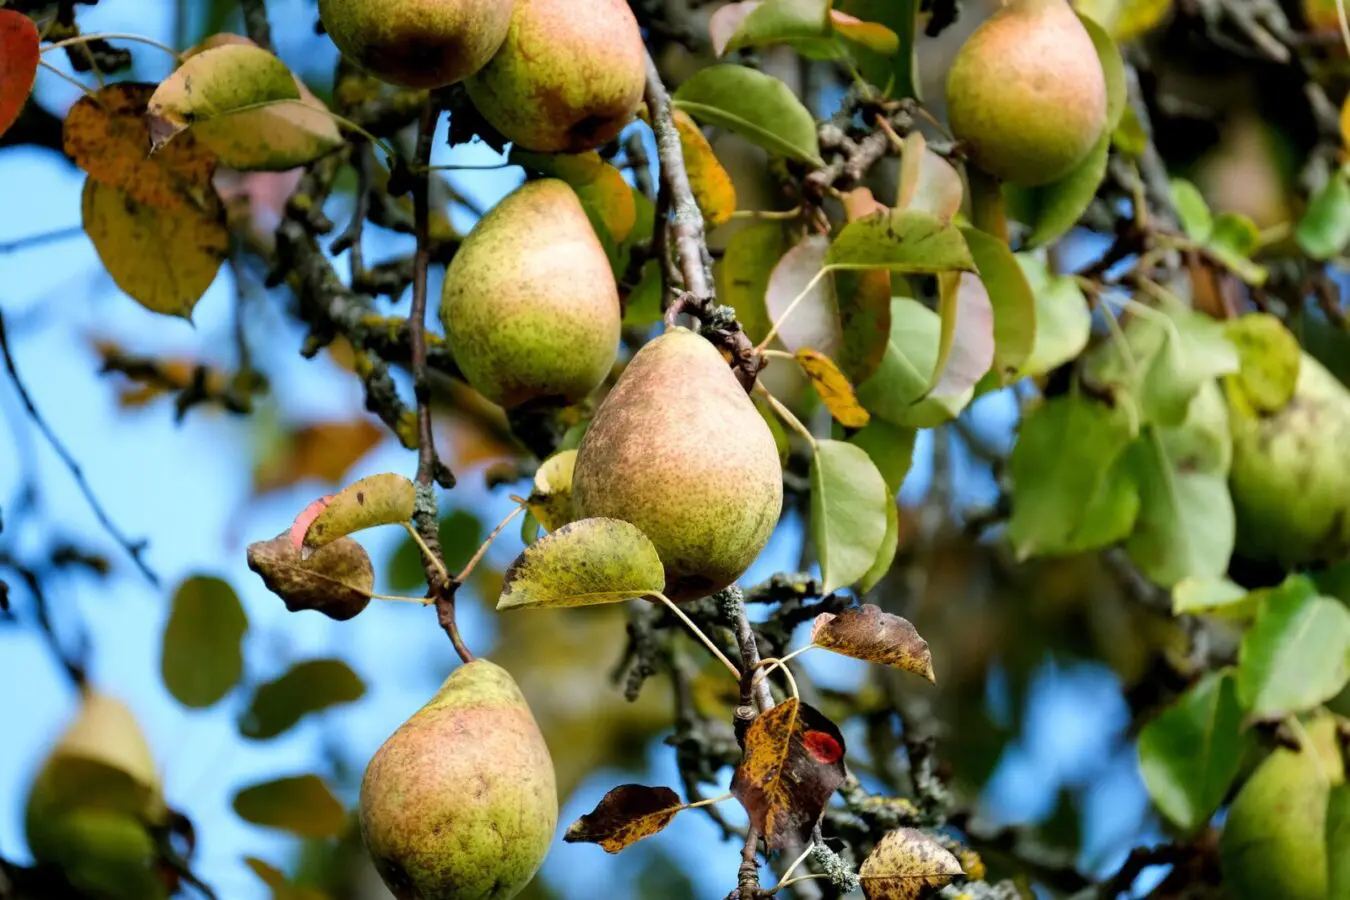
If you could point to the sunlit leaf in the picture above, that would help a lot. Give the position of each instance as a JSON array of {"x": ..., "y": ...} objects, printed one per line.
[
  {"x": 626, "y": 815},
  {"x": 1296, "y": 655},
  {"x": 587, "y": 562},
  {"x": 872, "y": 35},
  {"x": 337, "y": 580},
  {"x": 890, "y": 546},
  {"x": 384, "y": 499},
  {"x": 814, "y": 321},
  {"x": 758, "y": 107},
  {"x": 793, "y": 762},
  {"x": 712, "y": 186},
  {"x": 743, "y": 273},
  {"x": 1207, "y": 595},
  {"x": 834, "y": 390},
  {"x": 551, "y": 499},
  {"x": 202, "y": 656},
  {"x": 928, "y": 183},
  {"x": 904, "y": 864},
  {"x": 1010, "y": 298},
  {"x": 308, "y": 687},
  {"x": 1269, "y": 358},
  {"x": 848, "y": 512},
  {"x": 301, "y": 804},
  {"x": 19, "y": 57},
  {"x": 906, "y": 241},
  {"x": 966, "y": 339},
  {"x": 867, "y": 633}
]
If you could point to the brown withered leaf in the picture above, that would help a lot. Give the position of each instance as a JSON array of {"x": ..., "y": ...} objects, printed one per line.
[
  {"x": 793, "y": 762},
  {"x": 904, "y": 863},
  {"x": 834, "y": 390},
  {"x": 107, "y": 136},
  {"x": 866, "y": 633},
  {"x": 337, "y": 580},
  {"x": 626, "y": 815}
]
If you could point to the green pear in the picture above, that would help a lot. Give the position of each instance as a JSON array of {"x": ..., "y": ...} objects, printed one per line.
[
  {"x": 1289, "y": 480},
  {"x": 417, "y": 43},
  {"x": 678, "y": 450},
  {"x": 91, "y": 805},
  {"x": 1274, "y": 841},
  {"x": 460, "y": 803},
  {"x": 529, "y": 304},
  {"x": 1026, "y": 94},
  {"x": 568, "y": 78}
]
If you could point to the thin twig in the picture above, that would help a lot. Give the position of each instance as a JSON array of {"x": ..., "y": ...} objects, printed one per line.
[
  {"x": 256, "y": 24},
  {"x": 46, "y": 237},
  {"x": 134, "y": 549}
]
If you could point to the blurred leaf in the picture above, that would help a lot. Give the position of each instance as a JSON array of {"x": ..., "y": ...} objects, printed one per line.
[
  {"x": 606, "y": 197},
  {"x": 551, "y": 499},
  {"x": 1070, "y": 490},
  {"x": 867, "y": 633},
  {"x": 1010, "y": 297},
  {"x": 1192, "y": 210},
  {"x": 460, "y": 531},
  {"x": 966, "y": 338},
  {"x": 834, "y": 390},
  {"x": 1189, "y": 755},
  {"x": 107, "y": 136},
  {"x": 1236, "y": 238},
  {"x": 712, "y": 186},
  {"x": 300, "y": 804},
  {"x": 891, "y": 448},
  {"x": 1324, "y": 229},
  {"x": 337, "y": 580},
  {"x": 202, "y": 655},
  {"x": 1202, "y": 595},
  {"x": 384, "y": 499},
  {"x": 322, "y": 450},
  {"x": 163, "y": 257},
  {"x": 797, "y": 279},
  {"x": 848, "y": 512},
  {"x": 1130, "y": 138},
  {"x": 586, "y": 562},
  {"x": 1269, "y": 357},
  {"x": 896, "y": 392},
  {"x": 793, "y": 762},
  {"x": 928, "y": 183},
  {"x": 890, "y": 545},
  {"x": 277, "y": 882},
  {"x": 776, "y": 22},
  {"x": 864, "y": 302},
  {"x": 896, "y": 73},
  {"x": 1113, "y": 70},
  {"x": 871, "y": 35},
  {"x": 309, "y": 687},
  {"x": 19, "y": 57},
  {"x": 642, "y": 306},
  {"x": 626, "y": 815},
  {"x": 758, "y": 107},
  {"x": 1297, "y": 653},
  {"x": 243, "y": 104},
  {"x": 1053, "y": 209},
  {"x": 1338, "y": 842},
  {"x": 751, "y": 255},
  {"x": 1063, "y": 320},
  {"x": 904, "y": 864},
  {"x": 901, "y": 241}
]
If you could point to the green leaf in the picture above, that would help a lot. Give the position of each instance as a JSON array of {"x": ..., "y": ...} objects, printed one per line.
[
  {"x": 1186, "y": 524},
  {"x": 309, "y": 687},
  {"x": 551, "y": 499},
  {"x": 1053, "y": 209},
  {"x": 1297, "y": 653},
  {"x": 784, "y": 21},
  {"x": 276, "y": 881},
  {"x": 743, "y": 274},
  {"x": 848, "y": 512},
  {"x": 202, "y": 656},
  {"x": 1269, "y": 358},
  {"x": 1071, "y": 489},
  {"x": 890, "y": 545},
  {"x": 1011, "y": 298},
  {"x": 1113, "y": 69},
  {"x": 896, "y": 74},
  {"x": 1189, "y": 755},
  {"x": 1063, "y": 319},
  {"x": 1210, "y": 595},
  {"x": 1193, "y": 211},
  {"x": 384, "y": 499},
  {"x": 1338, "y": 843},
  {"x": 246, "y": 106},
  {"x": 460, "y": 534},
  {"x": 1234, "y": 239},
  {"x": 1324, "y": 229},
  {"x": 906, "y": 241},
  {"x": 896, "y": 392},
  {"x": 1202, "y": 443},
  {"x": 587, "y": 562},
  {"x": 864, "y": 302},
  {"x": 891, "y": 448},
  {"x": 965, "y": 336},
  {"x": 758, "y": 107},
  {"x": 301, "y": 804}
]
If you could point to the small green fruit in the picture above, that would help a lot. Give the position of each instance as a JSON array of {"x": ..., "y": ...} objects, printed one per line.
[
  {"x": 678, "y": 450},
  {"x": 1026, "y": 93},
  {"x": 417, "y": 43},
  {"x": 568, "y": 78},
  {"x": 530, "y": 307},
  {"x": 461, "y": 802}
]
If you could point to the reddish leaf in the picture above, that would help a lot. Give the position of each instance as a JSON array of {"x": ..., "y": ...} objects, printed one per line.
[
  {"x": 625, "y": 816},
  {"x": 18, "y": 64},
  {"x": 793, "y": 762},
  {"x": 866, "y": 633},
  {"x": 306, "y": 518}
]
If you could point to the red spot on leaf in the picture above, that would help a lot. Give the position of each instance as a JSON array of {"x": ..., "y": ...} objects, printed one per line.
[
  {"x": 822, "y": 747},
  {"x": 307, "y": 516}
]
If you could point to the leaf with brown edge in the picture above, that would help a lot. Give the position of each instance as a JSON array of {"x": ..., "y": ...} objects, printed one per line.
[
  {"x": 384, "y": 499},
  {"x": 585, "y": 563},
  {"x": 713, "y": 189},
  {"x": 866, "y": 633},
  {"x": 107, "y": 136},
  {"x": 19, "y": 57},
  {"x": 834, "y": 390},
  {"x": 551, "y": 499},
  {"x": 337, "y": 580},
  {"x": 626, "y": 815},
  {"x": 904, "y": 864},
  {"x": 793, "y": 763}
]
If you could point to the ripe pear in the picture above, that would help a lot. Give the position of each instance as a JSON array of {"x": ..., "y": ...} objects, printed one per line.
[
  {"x": 460, "y": 803},
  {"x": 92, "y": 802},
  {"x": 1290, "y": 484},
  {"x": 1274, "y": 841},
  {"x": 1026, "y": 93},
  {"x": 678, "y": 450},
  {"x": 568, "y": 78},
  {"x": 529, "y": 304},
  {"x": 417, "y": 43}
]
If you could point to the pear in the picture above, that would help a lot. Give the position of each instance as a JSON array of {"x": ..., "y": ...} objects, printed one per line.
[
  {"x": 1026, "y": 94},
  {"x": 1274, "y": 841},
  {"x": 91, "y": 805},
  {"x": 1290, "y": 484},
  {"x": 460, "y": 803},
  {"x": 417, "y": 43},
  {"x": 678, "y": 450},
  {"x": 529, "y": 303},
  {"x": 568, "y": 78}
]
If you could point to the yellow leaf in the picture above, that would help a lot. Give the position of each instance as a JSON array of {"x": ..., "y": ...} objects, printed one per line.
[
  {"x": 833, "y": 387},
  {"x": 713, "y": 189},
  {"x": 384, "y": 499},
  {"x": 903, "y": 864},
  {"x": 551, "y": 499},
  {"x": 1125, "y": 19},
  {"x": 600, "y": 186},
  {"x": 164, "y": 257}
]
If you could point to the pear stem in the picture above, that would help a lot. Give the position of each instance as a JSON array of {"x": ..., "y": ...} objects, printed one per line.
[
  {"x": 786, "y": 415},
  {"x": 698, "y": 632},
  {"x": 786, "y": 877},
  {"x": 781, "y": 663},
  {"x": 111, "y": 36},
  {"x": 483, "y": 548},
  {"x": 709, "y": 801}
]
